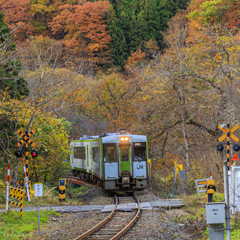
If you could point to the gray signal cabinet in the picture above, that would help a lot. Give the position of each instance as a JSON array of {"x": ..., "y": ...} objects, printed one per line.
[{"x": 215, "y": 213}]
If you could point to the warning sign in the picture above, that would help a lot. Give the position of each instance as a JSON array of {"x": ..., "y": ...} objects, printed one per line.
[{"x": 235, "y": 157}]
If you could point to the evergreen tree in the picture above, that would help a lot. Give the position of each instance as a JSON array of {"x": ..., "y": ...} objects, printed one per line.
[
  {"x": 118, "y": 45},
  {"x": 9, "y": 69},
  {"x": 132, "y": 22}
]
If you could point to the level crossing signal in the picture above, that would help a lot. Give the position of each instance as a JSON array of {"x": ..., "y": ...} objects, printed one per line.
[
  {"x": 25, "y": 138},
  {"x": 34, "y": 153},
  {"x": 228, "y": 133},
  {"x": 220, "y": 147},
  {"x": 18, "y": 153},
  {"x": 236, "y": 147}
]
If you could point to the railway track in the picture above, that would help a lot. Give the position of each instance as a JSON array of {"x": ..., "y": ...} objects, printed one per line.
[{"x": 116, "y": 223}]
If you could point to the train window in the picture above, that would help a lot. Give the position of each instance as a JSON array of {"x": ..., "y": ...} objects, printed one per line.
[
  {"x": 109, "y": 152},
  {"x": 124, "y": 153},
  {"x": 139, "y": 152},
  {"x": 95, "y": 153},
  {"x": 79, "y": 152}
]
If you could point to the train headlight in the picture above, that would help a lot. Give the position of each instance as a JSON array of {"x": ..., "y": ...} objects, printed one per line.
[{"x": 124, "y": 139}]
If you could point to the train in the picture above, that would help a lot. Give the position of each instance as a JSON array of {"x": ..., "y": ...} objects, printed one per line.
[{"x": 117, "y": 162}]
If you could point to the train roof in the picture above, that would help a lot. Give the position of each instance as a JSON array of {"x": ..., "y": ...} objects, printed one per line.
[{"x": 110, "y": 137}]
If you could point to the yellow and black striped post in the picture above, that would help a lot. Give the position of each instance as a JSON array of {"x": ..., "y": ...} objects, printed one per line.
[
  {"x": 62, "y": 190},
  {"x": 18, "y": 194},
  {"x": 228, "y": 145}
]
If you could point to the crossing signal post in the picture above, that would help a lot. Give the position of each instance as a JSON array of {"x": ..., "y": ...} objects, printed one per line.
[
  {"x": 28, "y": 142},
  {"x": 228, "y": 133}
]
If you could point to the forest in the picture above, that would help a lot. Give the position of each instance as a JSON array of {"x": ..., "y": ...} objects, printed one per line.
[{"x": 167, "y": 69}]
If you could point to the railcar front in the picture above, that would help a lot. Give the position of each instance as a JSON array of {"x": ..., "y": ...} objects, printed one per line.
[{"x": 125, "y": 159}]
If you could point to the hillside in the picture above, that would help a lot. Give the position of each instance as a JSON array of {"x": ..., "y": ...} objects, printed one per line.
[{"x": 165, "y": 69}]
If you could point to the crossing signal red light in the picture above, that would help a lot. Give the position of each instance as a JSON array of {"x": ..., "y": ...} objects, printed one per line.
[
  {"x": 18, "y": 153},
  {"x": 34, "y": 153}
]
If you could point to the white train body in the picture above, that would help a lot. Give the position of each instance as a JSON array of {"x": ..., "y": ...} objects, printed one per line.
[{"x": 116, "y": 161}]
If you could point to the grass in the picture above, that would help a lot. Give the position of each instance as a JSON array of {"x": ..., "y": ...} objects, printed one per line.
[
  {"x": 52, "y": 199},
  {"x": 235, "y": 235},
  {"x": 13, "y": 227}
]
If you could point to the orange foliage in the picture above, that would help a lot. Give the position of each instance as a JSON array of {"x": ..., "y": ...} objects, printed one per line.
[
  {"x": 17, "y": 15},
  {"x": 232, "y": 16},
  {"x": 84, "y": 29},
  {"x": 135, "y": 58}
]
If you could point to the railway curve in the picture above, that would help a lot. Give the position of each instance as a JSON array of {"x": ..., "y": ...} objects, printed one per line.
[{"x": 114, "y": 225}]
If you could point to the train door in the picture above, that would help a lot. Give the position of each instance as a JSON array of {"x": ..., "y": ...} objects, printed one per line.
[
  {"x": 88, "y": 156},
  {"x": 110, "y": 161},
  {"x": 125, "y": 160}
]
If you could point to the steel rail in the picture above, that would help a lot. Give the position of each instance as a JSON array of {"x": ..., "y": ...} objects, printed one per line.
[
  {"x": 99, "y": 224},
  {"x": 118, "y": 235},
  {"x": 76, "y": 180}
]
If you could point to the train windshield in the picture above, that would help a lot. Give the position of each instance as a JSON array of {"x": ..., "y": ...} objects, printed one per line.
[
  {"x": 139, "y": 151},
  {"x": 109, "y": 152}
]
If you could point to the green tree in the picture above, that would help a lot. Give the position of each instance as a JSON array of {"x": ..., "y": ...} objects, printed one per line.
[{"x": 118, "y": 45}]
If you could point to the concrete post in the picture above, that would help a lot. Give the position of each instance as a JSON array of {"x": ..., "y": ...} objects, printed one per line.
[{"x": 216, "y": 231}]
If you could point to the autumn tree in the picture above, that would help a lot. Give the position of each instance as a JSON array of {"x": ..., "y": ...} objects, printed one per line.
[
  {"x": 51, "y": 138},
  {"x": 18, "y": 16},
  {"x": 85, "y": 30},
  {"x": 44, "y": 11}
]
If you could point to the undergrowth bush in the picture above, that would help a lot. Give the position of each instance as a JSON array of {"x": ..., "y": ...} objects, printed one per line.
[
  {"x": 163, "y": 175},
  {"x": 2, "y": 192}
]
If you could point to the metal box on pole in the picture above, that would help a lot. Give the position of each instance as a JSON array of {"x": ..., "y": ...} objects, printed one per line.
[
  {"x": 215, "y": 213},
  {"x": 215, "y": 217}
]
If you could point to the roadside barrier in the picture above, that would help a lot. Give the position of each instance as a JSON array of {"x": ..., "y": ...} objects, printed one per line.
[
  {"x": 18, "y": 194},
  {"x": 27, "y": 188}
]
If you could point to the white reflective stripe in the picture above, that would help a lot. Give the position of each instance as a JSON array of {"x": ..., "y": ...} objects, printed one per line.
[
  {"x": 24, "y": 169},
  {"x": 8, "y": 171}
]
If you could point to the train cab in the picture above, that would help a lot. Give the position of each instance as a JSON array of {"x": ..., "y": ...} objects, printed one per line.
[{"x": 125, "y": 162}]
